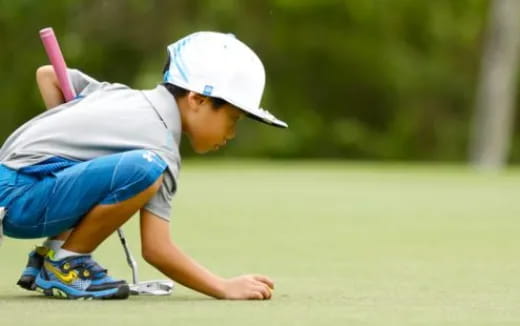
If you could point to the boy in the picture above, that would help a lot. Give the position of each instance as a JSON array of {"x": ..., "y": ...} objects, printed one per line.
[{"x": 79, "y": 171}]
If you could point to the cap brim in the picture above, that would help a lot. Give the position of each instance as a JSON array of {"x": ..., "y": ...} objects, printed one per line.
[
  {"x": 258, "y": 114},
  {"x": 272, "y": 122}
]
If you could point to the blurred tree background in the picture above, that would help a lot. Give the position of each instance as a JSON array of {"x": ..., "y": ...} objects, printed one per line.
[{"x": 368, "y": 79}]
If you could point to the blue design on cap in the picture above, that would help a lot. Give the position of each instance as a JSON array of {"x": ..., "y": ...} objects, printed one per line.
[
  {"x": 176, "y": 60},
  {"x": 207, "y": 90}
]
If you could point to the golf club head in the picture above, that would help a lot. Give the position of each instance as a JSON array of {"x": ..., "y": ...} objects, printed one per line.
[{"x": 156, "y": 287}]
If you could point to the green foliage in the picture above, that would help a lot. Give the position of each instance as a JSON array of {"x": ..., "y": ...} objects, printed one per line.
[{"x": 371, "y": 79}]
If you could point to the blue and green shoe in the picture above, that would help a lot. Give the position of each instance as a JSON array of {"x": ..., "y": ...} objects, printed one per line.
[
  {"x": 78, "y": 277},
  {"x": 33, "y": 267}
]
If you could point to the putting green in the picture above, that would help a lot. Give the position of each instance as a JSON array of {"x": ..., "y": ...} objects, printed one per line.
[{"x": 347, "y": 244}]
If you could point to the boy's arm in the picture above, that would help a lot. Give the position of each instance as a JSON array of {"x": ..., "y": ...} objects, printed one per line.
[
  {"x": 159, "y": 250},
  {"x": 49, "y": 87}
]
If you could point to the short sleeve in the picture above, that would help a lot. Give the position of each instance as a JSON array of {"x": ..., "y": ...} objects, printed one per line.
[
  {"x": 160, "y": 204},
  {"x": 82, "y": 83}
]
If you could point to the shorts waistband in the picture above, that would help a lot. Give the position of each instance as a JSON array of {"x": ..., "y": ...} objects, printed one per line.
[{"x": 13, "y": 177}]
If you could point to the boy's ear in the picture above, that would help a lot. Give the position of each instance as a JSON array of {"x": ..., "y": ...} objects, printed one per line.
[{"x": 195, "y": 100}]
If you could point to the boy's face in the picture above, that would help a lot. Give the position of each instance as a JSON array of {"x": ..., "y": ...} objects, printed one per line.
[{"x": 210, "y": 128}]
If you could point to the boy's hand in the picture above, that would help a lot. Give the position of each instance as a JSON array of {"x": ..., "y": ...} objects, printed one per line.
[
  {"x": 49, "y": 86},
  {"x": 252, "y": 287}
]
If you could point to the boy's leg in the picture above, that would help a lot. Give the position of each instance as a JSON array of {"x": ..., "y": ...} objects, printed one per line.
[
  {"x": 55, "y": 278},
  {"x": 62, "y": 236},
  {"x": 95, "y": 227},
  {"x": 56, "y": 203},
  {"x": 108, "y": 190},
  {"x": 103, "y": 220}
]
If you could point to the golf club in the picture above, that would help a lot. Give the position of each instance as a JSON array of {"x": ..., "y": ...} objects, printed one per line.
[{"x": 155, "y": 287}]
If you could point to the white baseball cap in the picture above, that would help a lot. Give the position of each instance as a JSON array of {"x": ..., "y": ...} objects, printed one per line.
[{"x": 219, "y": 65}]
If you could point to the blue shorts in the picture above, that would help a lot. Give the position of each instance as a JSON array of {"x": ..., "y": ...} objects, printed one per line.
[{"x": 43, "y": 202}]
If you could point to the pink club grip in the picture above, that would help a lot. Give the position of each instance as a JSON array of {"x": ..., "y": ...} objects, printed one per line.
[{"x": 50, "y": 42}]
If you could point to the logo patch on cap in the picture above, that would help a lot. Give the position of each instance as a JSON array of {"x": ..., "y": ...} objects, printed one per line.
[{"x": 207, "y": 90}]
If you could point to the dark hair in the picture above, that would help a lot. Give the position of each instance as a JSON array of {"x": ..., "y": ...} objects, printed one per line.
[{"x": 179, "y": 92}]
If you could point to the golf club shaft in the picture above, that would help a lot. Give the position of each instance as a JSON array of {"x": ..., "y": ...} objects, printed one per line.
[{"x": 129, "y": 258}]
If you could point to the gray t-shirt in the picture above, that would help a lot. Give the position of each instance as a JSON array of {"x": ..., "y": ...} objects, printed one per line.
[{"x": 105, "y": 119}]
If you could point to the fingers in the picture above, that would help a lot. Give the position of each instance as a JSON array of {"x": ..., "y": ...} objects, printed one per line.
[
  {"x": 264, "y": 279},
  {"x": 252, "y": 287},
  {"x": 266, "y": 292},
  {"x": 256, "y": 295},
  {"x": 261, "y": 292}
]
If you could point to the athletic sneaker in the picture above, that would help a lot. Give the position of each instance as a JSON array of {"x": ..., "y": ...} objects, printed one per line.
[
  {"x": 33, "y": 267},
  {"x": 78, "y": 277}
]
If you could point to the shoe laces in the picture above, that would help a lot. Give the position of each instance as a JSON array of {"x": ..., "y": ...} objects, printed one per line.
[{"x": 86, "y": 262}]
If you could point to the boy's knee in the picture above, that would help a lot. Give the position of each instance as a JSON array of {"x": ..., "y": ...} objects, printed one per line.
[
  {"x": 136, "y": 172},
  {"x": 143, "y": 165}
]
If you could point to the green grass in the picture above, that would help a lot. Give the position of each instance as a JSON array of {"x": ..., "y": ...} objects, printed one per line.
[{"x": 347, "y": 244}]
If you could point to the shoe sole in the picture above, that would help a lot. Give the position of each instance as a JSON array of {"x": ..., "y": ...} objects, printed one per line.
[{"x": 122, "y": 293}]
